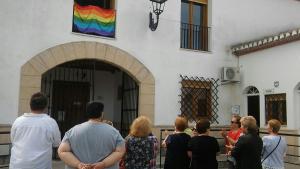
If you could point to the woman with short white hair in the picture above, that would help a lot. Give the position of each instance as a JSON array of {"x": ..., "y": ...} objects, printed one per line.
[{"x": 247, "y": 150}]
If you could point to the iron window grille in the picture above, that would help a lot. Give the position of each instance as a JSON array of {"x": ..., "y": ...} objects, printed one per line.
[
  {"x": 276, "y": 107},
  {"x": 252, "y": 91},
  {"x": 199, "y": 98}
]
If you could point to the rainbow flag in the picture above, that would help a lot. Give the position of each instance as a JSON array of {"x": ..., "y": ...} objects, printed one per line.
[{"x": 94, "y": 20}]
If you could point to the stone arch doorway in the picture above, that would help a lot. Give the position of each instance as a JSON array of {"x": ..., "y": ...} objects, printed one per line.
[
  {"x": 32, "y": 71},
  {"x": 72, "y": 85},
  {"x": 253, "y": 106}
]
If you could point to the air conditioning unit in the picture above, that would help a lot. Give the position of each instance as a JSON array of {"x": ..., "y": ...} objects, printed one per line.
[{"x": 230, "y": 74}]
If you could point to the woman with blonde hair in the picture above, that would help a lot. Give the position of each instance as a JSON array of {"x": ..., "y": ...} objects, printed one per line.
[
  {"x": 274, "y": 147},
  {"x": 141, "y": 145}
]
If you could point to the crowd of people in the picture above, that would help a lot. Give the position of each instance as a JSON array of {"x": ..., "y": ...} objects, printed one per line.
[{"x": 96, "y": 144}]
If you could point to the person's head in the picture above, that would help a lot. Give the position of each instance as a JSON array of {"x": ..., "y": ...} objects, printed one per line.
[
  {"x": 202, "y": 126},
  {"x": 274, "y": 126},
  {"x": 235, "y": 122},
  {"x": 94, "y": 110},
  {"x": 181, "y": 123},
  {"x": 140, "y": 127},
  {"x": 248, "y": 124},
  {"x": 38, "y": 102}
]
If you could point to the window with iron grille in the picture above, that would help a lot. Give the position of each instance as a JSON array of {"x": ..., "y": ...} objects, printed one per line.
[
  {"x": 276, "y": 107},
  {"x": 199, "y": 98}
]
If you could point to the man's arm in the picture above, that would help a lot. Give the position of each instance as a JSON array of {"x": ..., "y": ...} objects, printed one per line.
[
  {"x": 113, "y": 158},
  {"x": 56, "y": 136},
  {"x": 65, "y": 154},
  {"x": 12, "y": 133}
]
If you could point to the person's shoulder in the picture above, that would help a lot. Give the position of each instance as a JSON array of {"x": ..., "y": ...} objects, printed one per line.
[
  {"x": 195, "y": 138},
  {"x": 132, "y": 139},
  {"x": 244, "y": 138},
  {"x": 186, "y": 135},
  {"x": 49, "y": 118},
  {"x": 212, "y": 138},
  {"x": 18, "y": 121},
  {"x": 283, "y": 139},
  {"x": 152, "y": 137},
  {"x": 267, "y": 137},
  {"x": 109, "y": 128}
]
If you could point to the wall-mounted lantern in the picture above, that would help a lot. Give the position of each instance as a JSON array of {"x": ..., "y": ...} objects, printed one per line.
[{"x": 157, "y": 8}]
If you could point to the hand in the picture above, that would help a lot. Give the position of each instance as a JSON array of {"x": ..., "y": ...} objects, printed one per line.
[
  {"x": 84, "y": 166},
  {"x": 230, "y": 147},
  {"x": 223, "y": 133},
  {"x": 99, "y": 165},
  {"x": 163, "y": 144},
  {"x": 229, "y": 153}
]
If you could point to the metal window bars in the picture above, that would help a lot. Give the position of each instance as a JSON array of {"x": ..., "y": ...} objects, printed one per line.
[{"x": 199, "y": 98}]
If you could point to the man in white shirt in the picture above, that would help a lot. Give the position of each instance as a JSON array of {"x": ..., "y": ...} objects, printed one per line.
[{"x": 33, "y": 135}]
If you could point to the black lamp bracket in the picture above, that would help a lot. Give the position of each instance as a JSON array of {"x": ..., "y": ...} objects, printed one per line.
[{"x": 158, "y": 8}]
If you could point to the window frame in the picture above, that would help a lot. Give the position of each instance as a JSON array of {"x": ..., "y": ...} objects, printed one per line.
[
  {"x": 202, "y": 29},
  {"x": 278, "y": 97}
]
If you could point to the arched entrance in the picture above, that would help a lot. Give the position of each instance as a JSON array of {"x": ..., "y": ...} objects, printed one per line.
[
  {"x": 71, "y": 85},
  {"x": 112, "y": 57},
  {"x": 253, "y": 109}
]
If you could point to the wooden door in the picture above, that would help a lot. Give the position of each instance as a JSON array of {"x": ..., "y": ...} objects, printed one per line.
[
  {"x": 253, "y": 108},
  {"x": 69, "y": 103}
]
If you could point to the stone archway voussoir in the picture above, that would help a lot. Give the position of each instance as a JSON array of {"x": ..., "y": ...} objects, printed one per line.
[
  {"x": 28, "y": 70},
  {"x": 90, "y": 49},
  {"x": 48, "y": 59},
  {"x": 110, "y": 54},
  {"x": 100, "y": 51},
  {"x": 58, "y": 54},
  {"x": 135, "y": 68},
  {"x": 31, "y": 81},
  {"x": 69, "y": 52},
  {"x": 31, "y": 71},
  {"x": 79, "y": 49},
  {"x": 38, "y": 65}
]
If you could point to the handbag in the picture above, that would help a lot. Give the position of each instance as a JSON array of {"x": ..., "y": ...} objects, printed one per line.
[{"x": 272, "y": 150}]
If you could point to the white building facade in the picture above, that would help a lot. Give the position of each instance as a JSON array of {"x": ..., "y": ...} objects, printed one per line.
[{"x": 33, "y": 31}]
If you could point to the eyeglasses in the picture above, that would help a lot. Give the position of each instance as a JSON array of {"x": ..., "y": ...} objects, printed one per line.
[{"x": 234, "y": 122}]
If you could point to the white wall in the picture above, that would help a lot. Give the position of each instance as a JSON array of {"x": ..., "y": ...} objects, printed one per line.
[
  {"x": 32, "y": 26},
  {"x": 106, "y": 84},
  {"x": 281, "y": 64}
]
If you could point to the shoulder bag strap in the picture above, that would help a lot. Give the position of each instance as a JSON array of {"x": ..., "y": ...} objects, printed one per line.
[{"x": 272, "y": 150}]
